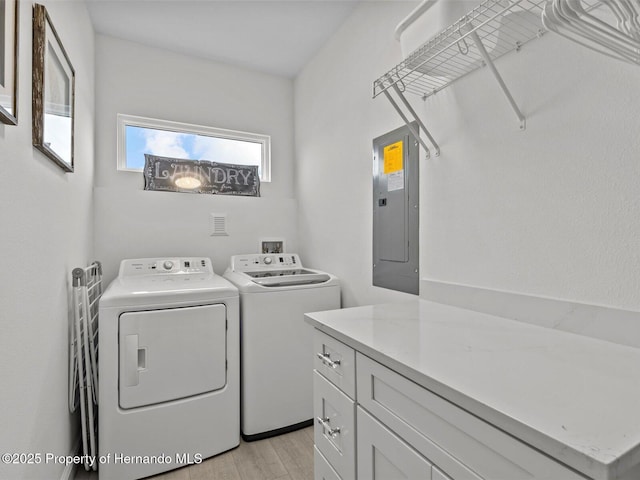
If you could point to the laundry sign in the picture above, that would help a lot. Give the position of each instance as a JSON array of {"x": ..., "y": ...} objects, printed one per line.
[{"x": 200, "y": 176}]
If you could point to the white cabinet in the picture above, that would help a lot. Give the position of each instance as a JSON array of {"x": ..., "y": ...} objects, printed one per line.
[
  {"x": 322, "y": 469},
  {"x": 336, "y": 362},
  {"x": 334, "y": 429},
  {"x": 462, "y": 445},
  {"x": 384, "y": 456},
  {"x": 334, "y": 408},
  {"x": 373, "y": 423}
]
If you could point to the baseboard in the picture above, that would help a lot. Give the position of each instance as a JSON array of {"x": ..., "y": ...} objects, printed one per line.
[{"x": 69, "y": 471}]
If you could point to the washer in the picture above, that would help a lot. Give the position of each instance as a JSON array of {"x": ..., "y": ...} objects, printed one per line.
[
  {"x": 168, "y": 368},
  {"x": 276, "y": 343}
]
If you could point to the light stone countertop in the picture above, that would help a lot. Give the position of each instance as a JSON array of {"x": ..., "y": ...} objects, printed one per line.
[{"x": 574, "y": 398}]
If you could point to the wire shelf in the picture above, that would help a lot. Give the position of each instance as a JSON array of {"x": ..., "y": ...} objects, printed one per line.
[{"x": 501, "y": 26}]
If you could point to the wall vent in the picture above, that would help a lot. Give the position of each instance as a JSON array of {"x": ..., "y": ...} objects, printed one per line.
[{"x": 218, "y": 225}]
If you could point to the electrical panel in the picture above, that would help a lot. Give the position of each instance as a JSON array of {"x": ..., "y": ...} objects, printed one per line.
[{"x": 396, "y": 211}]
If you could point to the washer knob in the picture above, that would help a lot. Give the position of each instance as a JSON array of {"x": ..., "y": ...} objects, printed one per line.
[
  {"x": 168, "y": 265},
  {"x": 268, "y": 260}
]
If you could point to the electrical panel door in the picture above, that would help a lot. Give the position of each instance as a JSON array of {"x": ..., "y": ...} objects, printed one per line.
[{"x": 396, "y": 211}]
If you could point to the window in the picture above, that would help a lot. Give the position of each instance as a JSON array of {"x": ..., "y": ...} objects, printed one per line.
[{"x": 139, "y": 135}]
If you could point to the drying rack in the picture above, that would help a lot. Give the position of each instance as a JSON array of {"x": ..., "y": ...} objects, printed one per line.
[
  {"x": 83, "y": 355},
  {"x": 489, "y": 31}
]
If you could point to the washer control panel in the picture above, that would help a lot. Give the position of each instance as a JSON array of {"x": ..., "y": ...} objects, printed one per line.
[
  {"x": 265, "y": 261},
  {"x": 165, "y": 266}
]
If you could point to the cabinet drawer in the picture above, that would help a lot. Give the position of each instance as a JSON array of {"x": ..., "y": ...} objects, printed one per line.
[
  {"x": 335, "y": 361},
  {"x": 443, "y": 432},
  {"x": 334, "y": 426},
  {"x": 383, "y": 456},
  {"x": 321, "y": 468}
]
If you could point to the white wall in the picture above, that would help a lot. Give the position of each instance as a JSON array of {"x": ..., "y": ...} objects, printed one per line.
[
  {"x": 336, "y": 121},
  {"x": 130, "y": 222},
  {"x": 551, "y": 211},
  {"x": 46, "y": 232}
]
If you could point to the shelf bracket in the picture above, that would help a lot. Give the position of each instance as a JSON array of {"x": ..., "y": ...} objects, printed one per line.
[
  {"x": 414, "y": 132},
  {"x": 487, "y": 60}
]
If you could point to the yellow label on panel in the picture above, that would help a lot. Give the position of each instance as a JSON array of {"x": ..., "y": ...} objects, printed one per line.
[{"x": 393, "y": 158}]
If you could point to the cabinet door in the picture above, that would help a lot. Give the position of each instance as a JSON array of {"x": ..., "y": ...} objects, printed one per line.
[{"x": 383, "y": 456}]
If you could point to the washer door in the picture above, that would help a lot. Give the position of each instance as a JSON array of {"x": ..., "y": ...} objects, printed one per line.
[{"x": 171, "y": 354}]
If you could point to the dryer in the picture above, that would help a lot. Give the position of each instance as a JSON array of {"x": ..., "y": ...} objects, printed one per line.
[
  {"x": 168, "y": 368},
  {"x": 276, "y": 343}
]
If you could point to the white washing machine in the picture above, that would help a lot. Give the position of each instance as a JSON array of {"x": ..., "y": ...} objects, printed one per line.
[
  {"x": 276, "y": 343},
  {"x": 168, "y": 367}
]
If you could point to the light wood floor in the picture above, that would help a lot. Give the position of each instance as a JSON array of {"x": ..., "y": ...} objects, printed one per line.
[{"x": 285, "y": 457}]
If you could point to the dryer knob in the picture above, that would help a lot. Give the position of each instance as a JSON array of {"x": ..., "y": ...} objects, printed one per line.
[
  {"x": 268, "y": 260},
  {"x": 168, "y": 265}
]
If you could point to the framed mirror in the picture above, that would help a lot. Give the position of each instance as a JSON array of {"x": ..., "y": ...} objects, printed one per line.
[
  {"x": 53, "y": 92},
  {"x": 9, "y": 62}
]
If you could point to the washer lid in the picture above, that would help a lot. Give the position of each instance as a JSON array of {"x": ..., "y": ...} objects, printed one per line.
[{"x": 280, "y": 278}]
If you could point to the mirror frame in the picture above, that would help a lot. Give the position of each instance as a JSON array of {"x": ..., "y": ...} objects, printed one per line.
[
  {"x": 41, "y": 20},
  {"x": 10, "y": 45}
]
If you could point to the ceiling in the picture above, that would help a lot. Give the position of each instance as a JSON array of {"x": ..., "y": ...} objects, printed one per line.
[{"x": 277, "y": 37}]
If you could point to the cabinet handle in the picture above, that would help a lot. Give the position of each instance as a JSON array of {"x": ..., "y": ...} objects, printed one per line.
[
  {"x": 332, "y": 432},
  {"x": 326, "y": 359}
]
